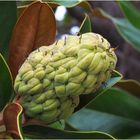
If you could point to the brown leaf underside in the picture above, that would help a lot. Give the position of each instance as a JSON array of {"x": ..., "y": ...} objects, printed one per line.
[
  {"x": 35, "y": 27},
  {"x": 130, "y": 85},
  {"x": 10, "y": 118}
]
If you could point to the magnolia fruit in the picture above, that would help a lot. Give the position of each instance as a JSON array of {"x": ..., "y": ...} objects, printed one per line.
[{"x": 52, "y": 77}]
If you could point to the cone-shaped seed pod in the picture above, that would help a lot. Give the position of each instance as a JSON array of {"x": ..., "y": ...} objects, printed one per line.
[{"x": 52, "y": 77}]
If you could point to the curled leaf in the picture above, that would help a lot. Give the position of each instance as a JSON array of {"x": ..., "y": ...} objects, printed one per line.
[{"x": 12, "y": 120}]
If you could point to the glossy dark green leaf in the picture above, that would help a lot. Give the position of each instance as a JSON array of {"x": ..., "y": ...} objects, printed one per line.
[
  {"x": 6, "y": 83},
  {"x": 130, "y": 33},
  {"x": 7, "y": 22},
  {"x": 92, "y": 120},
  {"x": 86, "y": 99},
  {"x": 118, "y": 102},
  {"x": 37, "y": 131},
  {"x": 131, "y": 13},
  {"x": 86, "y": 25},
  {"x": 115, "y": 112}
]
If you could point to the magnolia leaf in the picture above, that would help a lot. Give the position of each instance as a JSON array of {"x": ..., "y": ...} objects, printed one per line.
[
  {"x": 69, "y": 4},
  {"x": 129, "y": 32},
  {"x": 65, "y": 3},
  {"x": 38, "y": 132},
  {"x": 86, "y": 25},
  {"x": 131, "y": 86},
  {"x": 117, "y": 102},
  {"x": 12, "y": 120},
  {"x": 36, "y": 27},
  {"x": 6, "y": 83},
  {"x": 115, "y": 112},
  {"x": 7, "y": 21},
  {"x": 133, "y": 16},
  {"x": 54, "y": 4}
]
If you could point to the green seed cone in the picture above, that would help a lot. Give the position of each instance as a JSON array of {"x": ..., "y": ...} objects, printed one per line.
[{"x": 53, "y": 77}]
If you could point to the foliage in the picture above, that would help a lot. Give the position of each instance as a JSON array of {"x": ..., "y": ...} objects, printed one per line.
[
  {"x": 115, "y": 112},
  {"x": 127, "y": 27},
  {"x": 37, "y": 34},
  {"x": 6, "y": 83},
  {"x": 112, "y": 112},
  {"x": 7, "y": 21}
]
